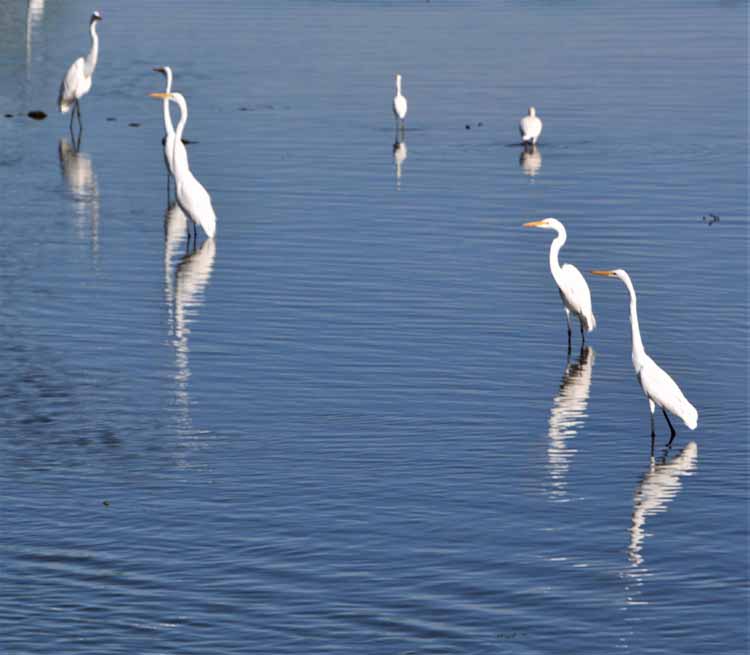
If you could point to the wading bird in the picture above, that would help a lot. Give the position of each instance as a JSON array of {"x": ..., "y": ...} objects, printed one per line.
[
  {"x": 531, "y": 127},
  {"x": 170, "y": 145},
  {"x": 400, "y": 105},
  {"x": 191, "y": 195},
  {"x": 659, "y": 387},
  {"x": 77, "y": 81},
  {"x": 574, "y": 290}
]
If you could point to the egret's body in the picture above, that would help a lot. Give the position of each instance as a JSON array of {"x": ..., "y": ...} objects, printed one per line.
[
  {"x": 660, "y": 389},
  {"x": 531, "y": 127},
  {"x": 191, "y": 194},
  {"x": 400, "y": 106},
  {"x": 574, "y": 291},
  {"x": 77, "y": 81}
]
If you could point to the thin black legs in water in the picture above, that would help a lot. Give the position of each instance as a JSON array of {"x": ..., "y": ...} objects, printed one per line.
[
  {"x": 672, "y": 431},
  {"x": 76, "y": 112},
  {"x": 570, "y": 331}
]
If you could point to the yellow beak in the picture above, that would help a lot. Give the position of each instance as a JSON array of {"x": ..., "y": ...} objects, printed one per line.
[
  {"x": 605, "y": 273},
  {"x": 161, "y": 96},
  {"x": 533, "y": 224}
]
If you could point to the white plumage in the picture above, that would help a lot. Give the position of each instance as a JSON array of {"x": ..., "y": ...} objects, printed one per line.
[
  {"x": 530, "y": 126},
  {"x": 400, "y": 106},
  {"x": 77, "y": 81},
  {"x": 191, "y": 194},
  {"x": 170, "y": 144},
  {"x": 660, "y": 389},
  {"x": 574, "y": 290}
]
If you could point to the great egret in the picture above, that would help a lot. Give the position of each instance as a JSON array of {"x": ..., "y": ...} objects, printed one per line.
[
  {"x": 77, "y": 81},
  {"x": 531, "y": 127},
  {"x": 659, "y": 387},
  {"x": 400, "y": 105},
  {"x": 574, "y": 290},
  {"x": 191, "y": 195}
]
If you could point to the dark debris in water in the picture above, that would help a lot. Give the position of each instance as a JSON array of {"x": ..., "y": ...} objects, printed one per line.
[
  {"x": 105, "y": 503},
  {"x": 8, "y": 115},
  {"x": 468, "y": 127},
  {"x": 134, "y": 124},
  {"x": 710, "y": 219},
  {"x": 111, "y": 119},
  {"x": 37, "y": 115}
]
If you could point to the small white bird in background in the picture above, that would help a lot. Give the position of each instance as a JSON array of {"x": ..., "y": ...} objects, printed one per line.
[
  {"x": 659, "y": 387},
  {"x": 531, "y": 127},
  {"x": 574, "y": 290},
  {"x": 400, "y": 105},
  {"x": 191, "y": 195},
  {"x": 77, "y": 81}
]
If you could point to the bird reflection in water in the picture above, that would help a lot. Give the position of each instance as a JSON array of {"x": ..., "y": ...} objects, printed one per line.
[
  {"x": 400, "y": 153},
  {"x": 531, "y": 159},
  {"x": 184, "y": 293},
  {"x": 34, "y": 15},
  {"x": 659, "y": 486},
  {"x": 566, "y": 418},
  {"x": 78, "y": 172}
]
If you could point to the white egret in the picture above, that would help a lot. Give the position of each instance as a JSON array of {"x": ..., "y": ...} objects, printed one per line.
[
  {"x": 574, "y": 290},
  {"x": 659, "y": 387},
  {"x": 191, "y": 195},
  {"x": 77, "y": 81},
  {"x": 170, "y": 145},
  {"x": 400, "y": 105},
  {"x": 531, "y": 127}
]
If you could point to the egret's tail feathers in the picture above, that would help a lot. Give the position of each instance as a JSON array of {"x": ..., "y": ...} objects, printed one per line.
[
  {"x": 209, "y": 226},
  {"x": 689, "y": 415}
]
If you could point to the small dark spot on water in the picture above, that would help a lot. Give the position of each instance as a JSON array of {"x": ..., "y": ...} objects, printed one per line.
[
  {"x": 710, "y": 219},
  {"x": 480, "y": 123},
  {"x": 8, "y": 115},
  {"x": 468, "y": 127},
  {"x": 111, "y": 119},
  {"x": 37, "y": 115},
  {"x": 134, "y": 124},
  {"x": 105, "y": 503},
  {"x": 243, "y": 108}
]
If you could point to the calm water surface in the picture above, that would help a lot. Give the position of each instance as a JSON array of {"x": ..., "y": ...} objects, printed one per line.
[{"x": 349, "y": 423}]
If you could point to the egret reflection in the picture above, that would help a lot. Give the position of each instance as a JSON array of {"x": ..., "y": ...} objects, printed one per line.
[
  {"x": 531, "y": 159},
  {"x": 566, "y": 418},
  {"x": 655, "y": 491},
  {"x": 400, "y": 154},
  {"x": 78, "y": 172},
  {"x": 34, "y": 15}
]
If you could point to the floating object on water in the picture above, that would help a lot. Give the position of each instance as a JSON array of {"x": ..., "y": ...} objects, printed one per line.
[
  {"x": 37, "y": 115},
  {"x": 710, "y": 219},
  {"x": 134, "y": 124}
]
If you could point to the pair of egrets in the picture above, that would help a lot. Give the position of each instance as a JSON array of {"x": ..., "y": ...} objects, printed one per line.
[
  {"x": 530, "y": 125},
  {"x": 660, "y": 389},
  {"x": 191, "y": 194}
]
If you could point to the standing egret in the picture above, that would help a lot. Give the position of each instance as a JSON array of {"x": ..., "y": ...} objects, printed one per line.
[
  {"x": 574, "y": 290},
  {"x": 191, "y": 195},
  {"x": 400, "y": 105},
  {"x": 77, "y": 81},
  {"x": 531, "y": 127},
  {"x": 170, "y": 145},
  {"x": 659, "y": 387}
]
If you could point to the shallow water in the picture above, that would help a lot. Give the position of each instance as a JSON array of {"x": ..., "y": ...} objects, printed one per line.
[{"x": 349, "y": 424}]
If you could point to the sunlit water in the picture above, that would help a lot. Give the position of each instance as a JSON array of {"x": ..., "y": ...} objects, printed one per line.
[{"x": 349, "y": 424}]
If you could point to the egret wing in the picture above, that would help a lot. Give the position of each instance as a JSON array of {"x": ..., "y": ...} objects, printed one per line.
[{"x": 72, "y": 79}]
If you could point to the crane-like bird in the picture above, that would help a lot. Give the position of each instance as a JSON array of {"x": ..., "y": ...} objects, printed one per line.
[
  {"x": 531, "y": 127},
  {"x": 77, "y": 81},
  {"x": 659, "y": 387},
  {"x": 574, "y": 290},
  {"x": 400, "y": 105},
  {"x": 191, "y": 194},
  {"x": 170, "y": 145}
]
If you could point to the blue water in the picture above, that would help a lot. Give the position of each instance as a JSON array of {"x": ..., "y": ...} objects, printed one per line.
[{"x": 349, "y": 423}]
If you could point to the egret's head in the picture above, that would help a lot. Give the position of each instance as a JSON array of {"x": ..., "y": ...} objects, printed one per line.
[
  {"x": 546, "y": 224},
  {"x": 95, "y": 17},
  {"x": 398, "y": 78},
  {"x": 164, "y": 70},
  {"x": 618, "y": 273},
  {"x": 532, "y": 111}
]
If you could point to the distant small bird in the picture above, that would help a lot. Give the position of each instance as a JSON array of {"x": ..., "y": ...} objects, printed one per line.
[
  {"x": 77, "y": 81},
  {"x": 659, "y": 387},
  {"x": 531, "y": 127},
  {"x": 574, "y": 291},
  {"x": 191, "y": 194},
  {"x": 400, "y": 105},
  {"x": 711, "y": 219}
]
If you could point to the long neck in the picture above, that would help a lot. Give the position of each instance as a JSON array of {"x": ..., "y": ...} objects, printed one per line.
[
  {"x": 398, "y": 86},
  {"x": 165, "y": 106},
  {"x": 91, "y": 58},
  {"x": 638, "y": 350},
  {"x": 554, "y": 250},
  {"x": 179, "y": 155}
]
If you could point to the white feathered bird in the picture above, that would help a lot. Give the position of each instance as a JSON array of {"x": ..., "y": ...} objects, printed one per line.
[
  {"x": 531, "y": 127},
  {"x": 77, "y": 81},
  {"x": 574, "y": 290},
  {"x": 400, "y": 106},
  {"x": 191, "y": 194},
  {"x": 659, "y": 387}
]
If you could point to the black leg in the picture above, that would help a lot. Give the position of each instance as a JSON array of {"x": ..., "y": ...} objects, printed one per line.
[
  {"x": 78, "y": 112},
  {"x": 653, "y": 438},
  {"x": 672, "y": 431}
]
